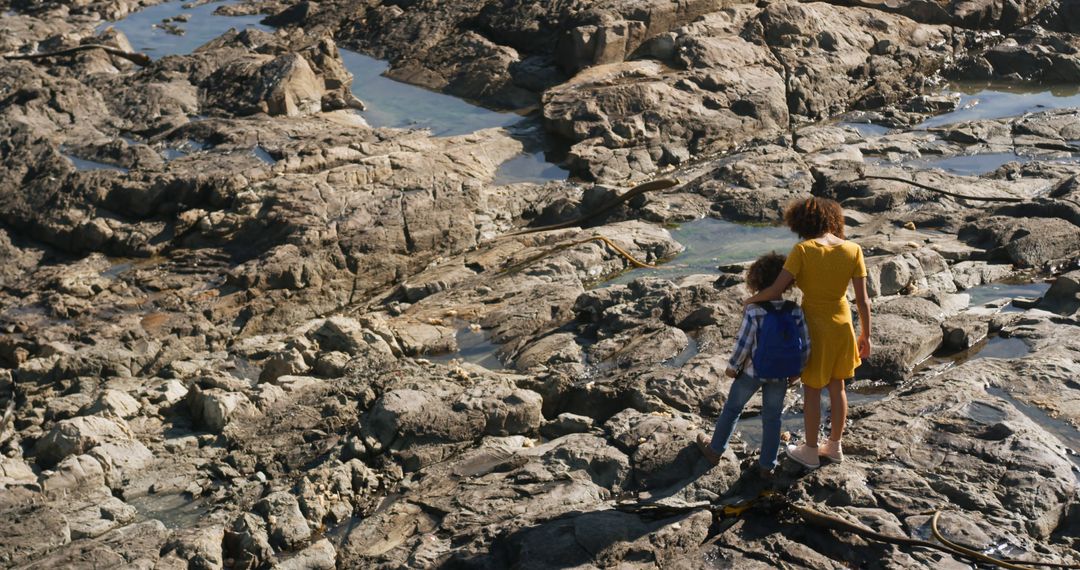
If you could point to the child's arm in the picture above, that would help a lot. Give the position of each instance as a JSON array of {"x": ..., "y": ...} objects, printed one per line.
[
  {"x": 805, "y": 332},
  {"x": 775, "y": 291},
  {"x": 744, "y": 342},
  {"x": 862, "y": 303}
]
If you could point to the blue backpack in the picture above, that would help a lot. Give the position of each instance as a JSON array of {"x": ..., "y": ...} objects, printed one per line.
[{"x": 778, "y": 352}]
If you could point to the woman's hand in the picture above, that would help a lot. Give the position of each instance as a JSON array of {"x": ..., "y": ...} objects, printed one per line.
[
  {"x": 864, "y": 346},
  {"x": 731, "y": 372}
]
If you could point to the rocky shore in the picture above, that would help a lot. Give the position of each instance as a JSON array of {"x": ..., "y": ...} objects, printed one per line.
[{"x": 250, "y": 319}]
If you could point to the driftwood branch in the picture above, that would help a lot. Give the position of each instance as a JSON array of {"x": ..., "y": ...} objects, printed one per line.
[
  {"x": 140, "y": 59},
  {"x": 944, "y": 192}
]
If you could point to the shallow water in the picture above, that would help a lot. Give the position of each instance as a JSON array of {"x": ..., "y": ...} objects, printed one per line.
[
  {"x": 264, "y": 156},
  {"x": 143, "y": 31},
  {"x": 475, "y": 347},
  {"x": 83, "y": 164},
  {"x": 391, "y": 103},
  {"x": 969, "y": 164},
  {"x": 174, "y": 510},
  {"x": 993, "y": 291},
  {"x": 540, "y": 159},
  {"x": 692, "y": 349},
  {"x": 995, "y": 100},
  {"x": 1001, "y": 347},
  {"x": 710, "y": 242},
  {"x": 866, "y": 129},
  {"x": 1068, "y": 435}
]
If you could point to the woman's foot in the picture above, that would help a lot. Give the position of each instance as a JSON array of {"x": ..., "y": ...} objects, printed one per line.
[
  {"x": 804, "y": 455},
  {"x": 710, "y": 455},
  {"x": 831, "y": 450}
]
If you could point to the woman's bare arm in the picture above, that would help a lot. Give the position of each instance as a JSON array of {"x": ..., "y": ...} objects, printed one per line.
[
  {"x": 774, "y": 291},
  {"x": 862, "y": 304}
]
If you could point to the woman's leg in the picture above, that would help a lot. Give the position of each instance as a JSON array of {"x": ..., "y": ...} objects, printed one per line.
[
  {"x": 811, "y": 414},
  {"x": 742, "y": 389},
  {"x": 837, "y": 409}
]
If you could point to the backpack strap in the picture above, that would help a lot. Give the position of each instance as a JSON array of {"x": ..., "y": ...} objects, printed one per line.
[
  {"x": 790, "y": 306},
  {"x": 767, "y": 305}
]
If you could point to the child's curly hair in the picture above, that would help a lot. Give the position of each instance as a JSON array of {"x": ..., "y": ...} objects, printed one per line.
[
  {"x": 814, "y": 217},
  {"x": 764, "y": 271}
]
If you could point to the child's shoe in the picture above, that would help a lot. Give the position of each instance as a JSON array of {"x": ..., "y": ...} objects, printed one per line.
[
  {"x": 832, "y": 450},
  {"x": 804, "y": 455},
  {"x": 710, "y": 455}
]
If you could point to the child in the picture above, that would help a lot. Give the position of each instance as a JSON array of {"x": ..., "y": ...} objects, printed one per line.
[
  {"x": 822, "y": 266},
  {"x": 772, "y": 346}
]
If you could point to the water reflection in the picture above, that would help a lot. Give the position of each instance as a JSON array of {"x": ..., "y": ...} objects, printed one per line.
[
  {"x": 395, "y": 104},
  {"x": 710, "y": 242},
  {"x": 995, "y": 100},
  {"x": 143, "y": 28}
]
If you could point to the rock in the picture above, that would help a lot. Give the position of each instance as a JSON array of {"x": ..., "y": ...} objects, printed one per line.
[
  {"x": 1031, "y": 53},
  {"x": 968, "y": 274},
  {"x": 121, "y": 458},
  {"x": 963, "y": 332},
  {"x": 899, "y": 343},
  {"x": 74, "y": 472},
  {"x": 286, "y": 524},
  {"x": 115, "y": 402},
  {"x": 331, "y": 364},
  {"x": 16, "y": 472},
  {"x": 198, "y": 548},
  {"x": 78, "y": 435},
  {"x": 318, "y": 556},
  {"x": 349, "y": 336},
  {"x": 285, "y": 85},
  {"x": 290, "y": 362},
  {"x": 214, "y": 408},
  {"x": 1026, "y": 242},
  {"x": 1063, "y": 297},
  {"x": 247, "y": 542},
  {"x": 920, "y": 270},
  {"x": 566, "y": 423}
]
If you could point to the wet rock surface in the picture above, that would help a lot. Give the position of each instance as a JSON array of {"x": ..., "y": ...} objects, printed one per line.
[{"x": 242, "y": 328}]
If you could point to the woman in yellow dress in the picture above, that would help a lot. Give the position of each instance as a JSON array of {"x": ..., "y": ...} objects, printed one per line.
[{"x": 821, "y": 266}]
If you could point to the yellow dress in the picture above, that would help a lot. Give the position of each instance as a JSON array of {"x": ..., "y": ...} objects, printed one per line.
[{"x": 823, "y": 272}]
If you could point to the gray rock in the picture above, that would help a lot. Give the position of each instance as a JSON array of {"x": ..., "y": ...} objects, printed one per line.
[
  {"x": 963, "y": 332},
  {"x": 1063, "y": 297},
  {"x": 286, "y": 524},
  {"x": 115, "y": 402},
  {"x": 198, "y": 548},
  {"x": 319, "y": 556},
  {"x": 214, "y": 408},
  {"x": 289, "y": 362},
  {"x": 248, "y": 542},
  {"x": 899, "y": 343},
  {"x": 566, "y": 423},
  {"x": 78, "y": 435}
]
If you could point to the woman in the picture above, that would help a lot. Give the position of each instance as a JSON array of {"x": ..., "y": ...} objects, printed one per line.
[{"x": 821, "y": 266}]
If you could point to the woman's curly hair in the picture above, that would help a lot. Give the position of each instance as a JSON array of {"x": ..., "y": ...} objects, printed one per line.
[
  {"x": 814, "y": 217},
  {"x": 764, "y": 271}
]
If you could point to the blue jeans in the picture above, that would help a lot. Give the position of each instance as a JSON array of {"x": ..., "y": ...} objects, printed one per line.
[{"x": 772, "y": 405}]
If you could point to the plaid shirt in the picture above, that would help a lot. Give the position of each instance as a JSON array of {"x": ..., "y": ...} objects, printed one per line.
[{"x": 747, "y": 338}]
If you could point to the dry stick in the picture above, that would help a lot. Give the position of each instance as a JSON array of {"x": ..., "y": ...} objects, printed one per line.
[
  {"x": 943, "y": 192},
  {"x": 137, "y": 58}
]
